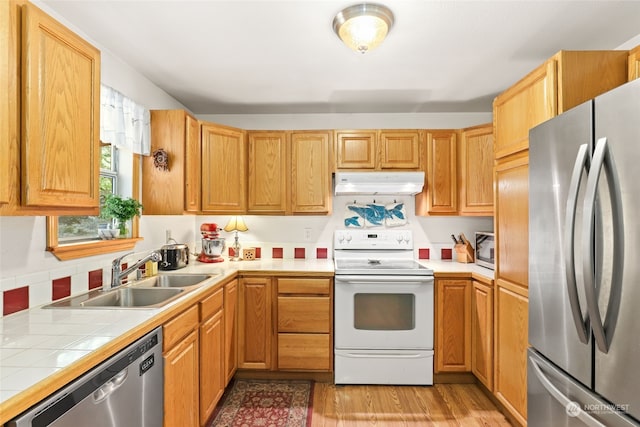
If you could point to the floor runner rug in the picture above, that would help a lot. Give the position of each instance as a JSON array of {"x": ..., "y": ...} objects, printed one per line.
[{"x": 265, "y": 403}]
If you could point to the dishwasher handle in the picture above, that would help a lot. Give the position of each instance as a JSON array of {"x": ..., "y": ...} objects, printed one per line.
[{"x": 110, "y": 386}]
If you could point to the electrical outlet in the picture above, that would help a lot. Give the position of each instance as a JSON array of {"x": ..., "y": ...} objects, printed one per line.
[{"x": 307, "y": 234}]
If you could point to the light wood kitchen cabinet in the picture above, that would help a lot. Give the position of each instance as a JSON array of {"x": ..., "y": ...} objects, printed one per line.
[
  {"x": 268, "y": 154},
  {"x": 378, "y": 149},
  {"x": 311, "y": 172},
  {"x": 176, "y": 190},
  {"x": 52, "y": 149},
  {"x": 482, "y": 333},
  {"x": 212, "y": 351},
  {"x": 224, "y": 169},
  {"x": 476, "y": 170},
  {"x": 453, "y": 325},
  {"x": 304, "y": 324},
  {"x": 562, "y": 82},
  {"x": 440, "y": 195},
  {"x": 7, "y": 83},
  {"x": 230, "y": 329},
  {"x": 181, "y": 369},
  {"x": 510, "y": 352},
  {"x": 255, "y": 330},
  {"x": 633, "y": 63}
]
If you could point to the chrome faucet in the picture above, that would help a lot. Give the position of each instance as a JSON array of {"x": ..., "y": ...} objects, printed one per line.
[{"x": 117, "y": 274}]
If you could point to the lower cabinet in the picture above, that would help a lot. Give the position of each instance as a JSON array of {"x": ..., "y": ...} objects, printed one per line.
[
  {"x": 482, "y": 333},
  {"x": 453, "y": 325},
  {"x": 230, "y": 329},
  {"x": 181, "y": 370},
  {"x": 285, "y": 323},
  {"x": 212, "y": 344}
]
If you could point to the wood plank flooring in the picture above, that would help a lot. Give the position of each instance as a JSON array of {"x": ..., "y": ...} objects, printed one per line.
[{"x": 438, "y": 405}]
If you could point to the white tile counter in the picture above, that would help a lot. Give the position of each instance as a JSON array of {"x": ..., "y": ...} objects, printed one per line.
[{"x": 38, "y": 343}]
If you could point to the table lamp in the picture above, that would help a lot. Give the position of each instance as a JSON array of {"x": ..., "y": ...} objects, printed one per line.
[{"x": 236, "y": 223}]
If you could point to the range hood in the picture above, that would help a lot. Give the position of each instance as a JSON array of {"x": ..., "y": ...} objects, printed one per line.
[{"x": 391, "y": 183}]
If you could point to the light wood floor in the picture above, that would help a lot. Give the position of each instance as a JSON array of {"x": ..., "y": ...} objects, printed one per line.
[{"x": 438, "y": 405}]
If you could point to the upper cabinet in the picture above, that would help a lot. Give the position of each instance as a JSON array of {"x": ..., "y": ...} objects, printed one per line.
[
  {"x": 378, "y": 149},
  {"x": 562, "y": 82},
  {"x": 440, "y": 193},
  {"x": 176, "y": 189},
  {"x": 267, "y": 172},
  {"x": 310, "y": 172},
  {"x": 224, "y": 169},
  {"x": 53, "y": 116},
  {"x": 634, "y": 63},
  {"x": 6, "y": 82},
  {"x": 476, "y": 170}
]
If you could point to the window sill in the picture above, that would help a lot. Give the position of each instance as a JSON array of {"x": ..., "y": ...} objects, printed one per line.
[{"x": 80, "y": 250}]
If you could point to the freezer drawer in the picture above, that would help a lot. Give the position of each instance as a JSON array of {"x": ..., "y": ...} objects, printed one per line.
[{"x": 555, "y": 399}]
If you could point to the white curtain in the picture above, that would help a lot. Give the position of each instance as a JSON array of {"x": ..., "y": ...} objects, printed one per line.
[{"x": 124, "y": 123}]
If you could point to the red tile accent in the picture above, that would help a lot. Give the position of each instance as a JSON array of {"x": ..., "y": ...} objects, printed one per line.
[
  {"x": 15, "y": 300},
  {"x": 423, "y": 253},
  {"x": 276, "y": 253},
  {"x": 299, "y": 253},
  {"x": 60, "y": 288},
  {"x": 232, "y": 252},
  {"x": 321, "y": 253},
  {"x": 445, "y": 253},
  {"x": 95, "y": 279},
  {"x": 258, "y": 252}
]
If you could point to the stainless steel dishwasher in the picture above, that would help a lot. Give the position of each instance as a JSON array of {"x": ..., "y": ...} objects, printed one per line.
[{"x": 124, "y": 391}]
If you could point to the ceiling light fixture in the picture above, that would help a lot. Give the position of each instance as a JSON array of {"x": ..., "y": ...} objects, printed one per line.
[{"x": 364, "y": 26}]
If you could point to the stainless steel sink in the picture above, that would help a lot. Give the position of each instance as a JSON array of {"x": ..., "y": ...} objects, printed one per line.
[
  {"x": 133, "y": 297},
  {"x": 172, "y": 281}
]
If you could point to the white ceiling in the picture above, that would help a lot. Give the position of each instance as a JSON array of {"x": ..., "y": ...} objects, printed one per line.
[{"x": 267, "y": 56}]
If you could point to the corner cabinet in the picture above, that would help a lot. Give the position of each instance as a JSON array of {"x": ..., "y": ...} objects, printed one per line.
[
  {"x": 53, "y": 91},
  {"x": 224, "y": 169},
  {"x": 177, "y": 189}
]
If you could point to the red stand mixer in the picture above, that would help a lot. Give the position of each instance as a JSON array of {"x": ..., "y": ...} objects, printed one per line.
[{"x": 212, "y": 244}]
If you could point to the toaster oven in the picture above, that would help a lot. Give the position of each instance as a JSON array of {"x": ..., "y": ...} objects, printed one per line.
[{"x": 485, "y": 249}]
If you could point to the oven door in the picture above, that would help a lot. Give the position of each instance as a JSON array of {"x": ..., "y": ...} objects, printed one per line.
[{"x": 383, "y": 312}]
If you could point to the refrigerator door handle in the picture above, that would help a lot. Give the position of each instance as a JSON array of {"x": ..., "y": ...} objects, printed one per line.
[
  {"x": 576, "y": 410},
  {"x": 582, "y": 324},
  {"x": 602, "y": 157}
]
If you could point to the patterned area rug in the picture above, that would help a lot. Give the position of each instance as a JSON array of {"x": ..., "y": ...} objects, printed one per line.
[{"x": 253, "y": 403}]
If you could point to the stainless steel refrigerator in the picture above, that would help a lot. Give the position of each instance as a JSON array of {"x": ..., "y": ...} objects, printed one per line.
[{"x": 584, "y": 264}]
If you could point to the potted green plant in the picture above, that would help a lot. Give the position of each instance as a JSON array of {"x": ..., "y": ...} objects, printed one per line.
[{"x": 122, "y": 210}]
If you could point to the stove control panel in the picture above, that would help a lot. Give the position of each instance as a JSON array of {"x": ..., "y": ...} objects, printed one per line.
[{"x": 373, "y": 239}]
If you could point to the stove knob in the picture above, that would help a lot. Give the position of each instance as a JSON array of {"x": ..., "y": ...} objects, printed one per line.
[
  {"x": 407, "y": 237},
  {"x": 399, "y": 238},
  {"x": 340, "y": 237},
  {"x": 349, "y": 237}
]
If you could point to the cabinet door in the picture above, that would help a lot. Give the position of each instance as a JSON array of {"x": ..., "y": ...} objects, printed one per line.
[
  {"x": 482, "y": 333},
  {"x": 212, "y": 375},
  {"x": 355, "y": 149},
  {"x": 181, "y": 378},
  {"x": 230, "y": 329},
  {"x": 192, "y": 171},
  {"x": 5, "y": 82},
  {"x": 453, "y": 325},
  {"x": 310, "y": 172},
  {"x": 307, "y": 352},
  {"x": 163, "y": 190},
  {"x": 511, "y": 336},
  {"x": 267, "y": 172},
  {"x": 442, "y": 189},
  {"x": 304, "y": 314},
  {"x": 399, "y": 149},
  {"x": 633, "y": 63},
  {"x": 255, "y": 331},
  {"x": 512, "y": 219},
  {"x": 224, "y": 165},
  {"x": 476, "y": 175},
  {"x": 61, "y": 115},
  {"x": 528, "y": 103}
]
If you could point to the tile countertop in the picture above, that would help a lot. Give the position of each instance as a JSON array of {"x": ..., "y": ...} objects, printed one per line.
[{"x": 38, "y": 344}]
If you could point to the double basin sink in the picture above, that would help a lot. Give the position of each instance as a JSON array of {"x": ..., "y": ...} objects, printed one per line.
[{"x": 151, "y": 292}]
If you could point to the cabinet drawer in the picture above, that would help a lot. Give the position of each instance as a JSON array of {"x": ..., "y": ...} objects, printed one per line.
[
  {"x": 304, "y": 352},
  {"x": 304, "y": 314},
  {"x": 211, "y": 304},
  {"x": 179, "y": 326},
  {"x": 308, "y": 286}
]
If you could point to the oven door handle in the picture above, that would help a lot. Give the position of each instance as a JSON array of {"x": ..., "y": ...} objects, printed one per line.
[
  {"x": 378, "y": 355},
  {"x": 365, "y": 279}
]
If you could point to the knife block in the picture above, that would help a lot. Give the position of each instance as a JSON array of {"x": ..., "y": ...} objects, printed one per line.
[{"x": 464, "y": 252}]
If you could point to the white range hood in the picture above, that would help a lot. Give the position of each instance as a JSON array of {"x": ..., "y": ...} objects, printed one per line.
[{"x": 390, "y": 183}]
